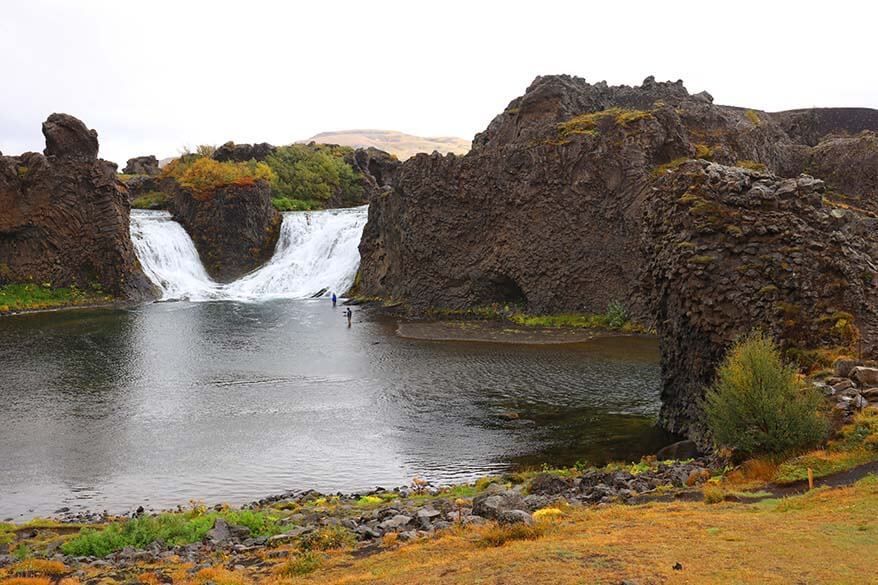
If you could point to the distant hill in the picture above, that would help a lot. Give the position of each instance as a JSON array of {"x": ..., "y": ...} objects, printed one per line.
[{"x": 398, "y": 143}]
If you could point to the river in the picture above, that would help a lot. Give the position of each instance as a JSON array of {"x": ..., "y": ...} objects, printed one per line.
[{"x": 234, "y": 392}]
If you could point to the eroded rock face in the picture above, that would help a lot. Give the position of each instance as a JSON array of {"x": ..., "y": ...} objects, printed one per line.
[
  {"x": 142, "y": 165},
  {"x": 235, "y": 228},
  {"x": 729, "y": 249},
  {"x": 532, "y": 215},
  {"x": 811, "y": 126},
  {"x": 555, "y": 209},
  {"x": 377, "y": 169},
  {"x": 64, "y": 217}
]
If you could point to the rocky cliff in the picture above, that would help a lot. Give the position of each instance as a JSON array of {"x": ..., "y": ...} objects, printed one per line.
[
  {"x": 64, "y": 217},
  {"x": 234, "y": 228},
  {"x": 729, "y": 249},
  {"x": 556, "y": 207}
]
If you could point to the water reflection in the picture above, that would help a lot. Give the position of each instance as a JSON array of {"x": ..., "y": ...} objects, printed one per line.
[{"x": 230, "y": 402}]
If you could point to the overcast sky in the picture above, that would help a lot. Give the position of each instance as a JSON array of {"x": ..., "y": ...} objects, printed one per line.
[{"x": 151, "y": 77}]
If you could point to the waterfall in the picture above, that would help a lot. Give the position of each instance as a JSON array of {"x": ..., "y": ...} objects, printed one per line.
[{"x": 317, "y": 251}]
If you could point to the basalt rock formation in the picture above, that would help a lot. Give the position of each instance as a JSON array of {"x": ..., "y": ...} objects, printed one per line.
[
  {"x": 559, "y": 207},
  {"x": 377, "y": 169},
  {"x": 729, "y": 249},
  {"x": 243, "y": 152},
  {"x": 142, "y": 165},
  {"x": 64, "y": 217},
  {"x": 234, "y": 228}
]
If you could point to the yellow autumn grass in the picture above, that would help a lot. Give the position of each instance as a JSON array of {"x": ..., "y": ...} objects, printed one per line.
[{"x": 826, "y": 536}]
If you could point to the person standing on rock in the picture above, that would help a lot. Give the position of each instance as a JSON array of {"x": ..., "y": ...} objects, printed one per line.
[
  {"x": 334, "y": 300},
  {"x": 349, "y": 314}
]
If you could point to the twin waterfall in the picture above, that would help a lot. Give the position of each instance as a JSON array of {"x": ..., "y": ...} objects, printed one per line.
[{"x": 317, "y": 253}]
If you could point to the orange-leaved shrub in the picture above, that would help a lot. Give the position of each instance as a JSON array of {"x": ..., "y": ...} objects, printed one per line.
[{"x": 204, "y": 175}]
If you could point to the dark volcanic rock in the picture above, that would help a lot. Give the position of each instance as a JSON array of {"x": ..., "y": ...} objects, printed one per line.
[
  {"x": 67, "y": 136},
  {"x": 554, "y": 209},
  {"x": 849, "y": 165},
  {"x": 234, "y": 228},
  {"x": 64, "y": 217},
  {"x": 810, "y": 126},
  {"x": 377, "y": 169},
  {"x": 730, "y": 249},
  {"x": 524, "y": 217},
  {"x": 142, "y": 165},
  {"x": 243, "y": 152}
]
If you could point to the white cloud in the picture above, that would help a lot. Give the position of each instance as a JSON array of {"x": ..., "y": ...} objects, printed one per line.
[{"x": 153, "y": 76}]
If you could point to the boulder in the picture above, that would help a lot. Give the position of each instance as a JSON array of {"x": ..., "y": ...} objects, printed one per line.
[
  {"x": 547, "y": 484},
  {"x": 680, "y": 450},
  {"x": 142, "y": 165},
  {"x": 67, "y": 136},
  {"x": 396, "y": 523},
  {"x": 220, "y": 533},
  {"x": 490, "y": 504},
  {"x": 865, "y": 377},
  {"x": 515, "y": 517}
]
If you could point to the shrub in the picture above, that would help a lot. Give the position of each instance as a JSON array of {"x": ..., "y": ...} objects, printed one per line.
[
  {"x": 204, "y": 175},
  {"x": 327, "y": 538},
  {"x": 301, "y": 564},
  {"x": 547, "y": 514},
  {"x": 34, "y": 567},
  {"x": 312, "y": 173},
  {"x": 758, "y": 405},
  {"x": 713, "y": 494},
  {"x": 287, "y": 204}
]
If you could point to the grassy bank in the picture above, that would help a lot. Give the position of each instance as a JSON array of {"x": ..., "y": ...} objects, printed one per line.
[
  {"x": 614, "y": 318},
  {"x": 32, "y": 297},
  {"x": 826, "y": 536}
]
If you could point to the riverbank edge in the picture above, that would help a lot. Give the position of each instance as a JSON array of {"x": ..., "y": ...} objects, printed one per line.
[
  {"x": 316, "y": 525},
  {"x": 114, "y": 304}
]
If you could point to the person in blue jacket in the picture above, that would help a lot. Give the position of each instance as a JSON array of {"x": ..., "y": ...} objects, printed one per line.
[{"x": 334, "y": 299}]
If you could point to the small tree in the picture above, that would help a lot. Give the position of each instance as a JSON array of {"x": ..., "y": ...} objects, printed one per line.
[{"x": 758, "y": 404}]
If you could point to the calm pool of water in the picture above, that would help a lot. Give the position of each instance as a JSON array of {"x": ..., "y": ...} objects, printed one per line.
[{"x": 230, "y": 402}]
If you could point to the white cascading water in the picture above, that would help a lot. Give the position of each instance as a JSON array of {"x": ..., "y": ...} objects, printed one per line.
[{"x": 317, "y": 252}]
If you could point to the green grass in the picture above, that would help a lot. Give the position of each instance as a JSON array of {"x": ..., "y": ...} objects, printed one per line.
[
  {"x": 151, "y": 200},
  {"x": 173, "y": 529},
  {"x": 288, "y": 204},
  {"x": 21, "y": 297},
  {"x": 615, "y": 317},
  {"x": 857, "y": 444}
]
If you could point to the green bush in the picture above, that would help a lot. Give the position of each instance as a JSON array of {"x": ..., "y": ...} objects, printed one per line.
[
  {"x": 173, "y": 529},
  {"x": 312, "y": 173},
  {"x": 758, "y": 405},
  {"x": 287, "y": 204}
]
